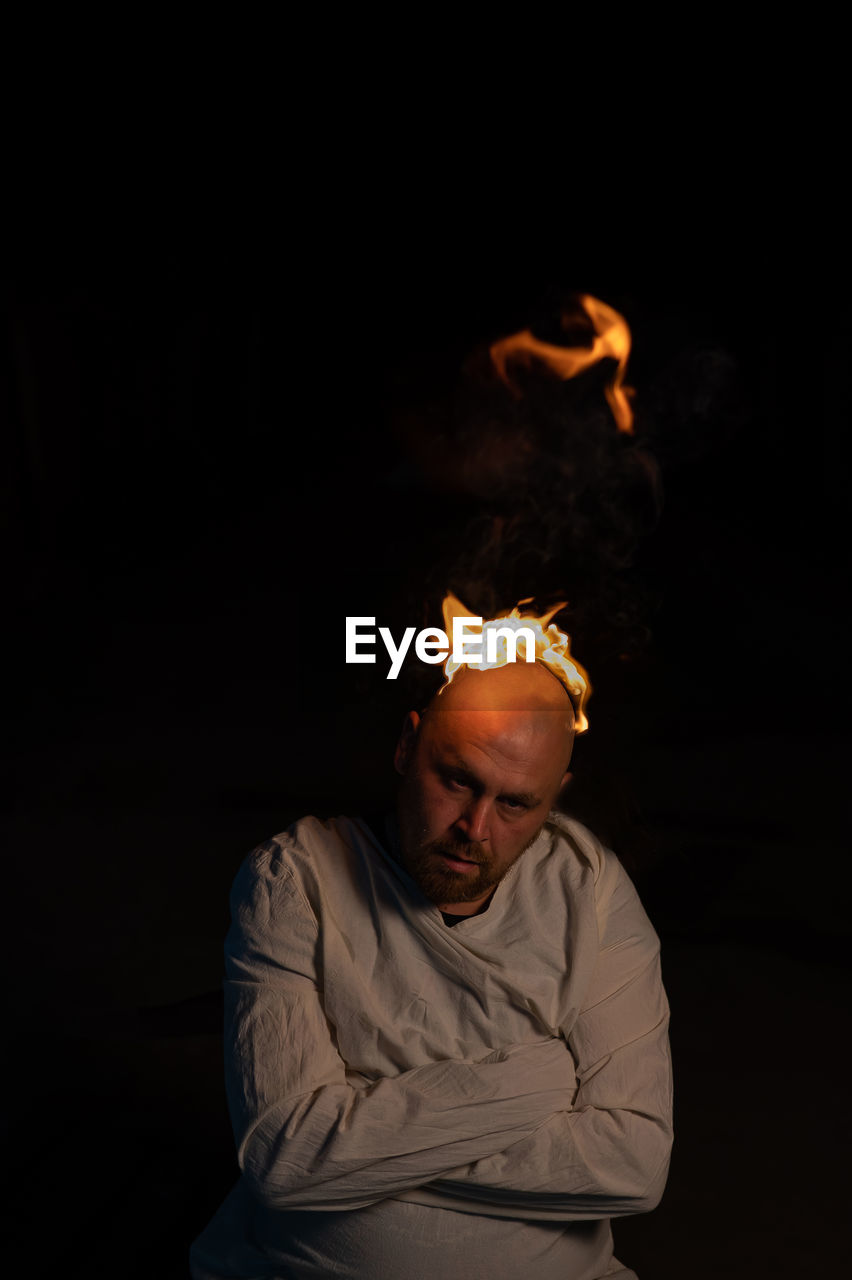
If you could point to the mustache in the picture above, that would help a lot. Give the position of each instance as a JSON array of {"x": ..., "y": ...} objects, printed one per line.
[{"x": 459, "y": 849}]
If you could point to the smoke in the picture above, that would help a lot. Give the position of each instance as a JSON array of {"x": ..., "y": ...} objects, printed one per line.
[{"x": 539, "y": 496}]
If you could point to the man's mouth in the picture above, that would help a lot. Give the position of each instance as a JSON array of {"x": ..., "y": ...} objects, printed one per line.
[{"x": 464, "y": 865}]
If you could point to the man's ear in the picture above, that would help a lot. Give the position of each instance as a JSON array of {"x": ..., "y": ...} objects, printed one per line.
[{"x": 407, "y": 739}]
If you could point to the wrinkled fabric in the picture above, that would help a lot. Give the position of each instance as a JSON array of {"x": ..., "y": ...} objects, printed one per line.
[{"x": 410, "y": 1099}]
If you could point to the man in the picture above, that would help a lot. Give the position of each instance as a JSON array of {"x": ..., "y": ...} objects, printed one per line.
[{"x": 447, "y": 1036}]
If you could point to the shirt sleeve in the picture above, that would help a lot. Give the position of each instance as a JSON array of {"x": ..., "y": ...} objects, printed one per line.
[
  {"x": 608, "y": 1154},
  {"x": 307, "y": 1137}
]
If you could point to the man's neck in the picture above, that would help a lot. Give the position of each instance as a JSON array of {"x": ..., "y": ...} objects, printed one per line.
[{"x": 467, "y": 908}]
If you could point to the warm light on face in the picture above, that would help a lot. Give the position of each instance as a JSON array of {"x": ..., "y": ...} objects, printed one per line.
[{"x": 478, "y": 781}]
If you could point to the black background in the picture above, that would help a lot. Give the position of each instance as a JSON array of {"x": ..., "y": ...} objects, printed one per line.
[{"x": 200, "y": 458}]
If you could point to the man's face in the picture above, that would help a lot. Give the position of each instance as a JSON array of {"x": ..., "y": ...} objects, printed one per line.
[{"x": 480, "y": 770}]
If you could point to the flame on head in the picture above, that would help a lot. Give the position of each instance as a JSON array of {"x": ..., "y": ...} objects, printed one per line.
[
  {"x": 552, "y": 649},
  {"x": 612, "y": 339}
]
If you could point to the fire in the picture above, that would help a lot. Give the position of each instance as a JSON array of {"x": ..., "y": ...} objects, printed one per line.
[
  {"x": 612, "y": 339},
  {"x": 552, "y": 649}
]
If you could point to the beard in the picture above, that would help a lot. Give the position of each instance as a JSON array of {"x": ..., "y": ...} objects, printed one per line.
[{"x": 441, "y": 884}]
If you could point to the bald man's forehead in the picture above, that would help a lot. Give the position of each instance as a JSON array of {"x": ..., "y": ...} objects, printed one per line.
[
  {"x": 538, "y": 741},
  {"x": 512, "y": 714}
]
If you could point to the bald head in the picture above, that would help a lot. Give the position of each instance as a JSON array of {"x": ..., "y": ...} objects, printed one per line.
[
  {"x": 481, "y": 770},
  {"x": 520, "y": 699}
]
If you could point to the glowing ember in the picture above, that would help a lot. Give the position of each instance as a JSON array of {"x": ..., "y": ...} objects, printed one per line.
[
  {"x": 612, "y": 339},
  {"x": 552, "y": 648}
]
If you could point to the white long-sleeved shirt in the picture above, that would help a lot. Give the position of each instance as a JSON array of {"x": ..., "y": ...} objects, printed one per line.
[{"x": 411, "y": 1099}]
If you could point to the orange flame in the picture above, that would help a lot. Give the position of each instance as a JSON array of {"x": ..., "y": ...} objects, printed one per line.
[
  {"x": 552, "y": 649},
  {"x": 612, "y": 339}
]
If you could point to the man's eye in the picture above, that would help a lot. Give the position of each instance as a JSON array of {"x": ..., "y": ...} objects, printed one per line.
[
  {"x": 515, "y": 805},
  {"x": 455, "y": 784}
]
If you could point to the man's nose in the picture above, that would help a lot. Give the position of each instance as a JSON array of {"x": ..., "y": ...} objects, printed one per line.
[{"x": 473, "y": 822}]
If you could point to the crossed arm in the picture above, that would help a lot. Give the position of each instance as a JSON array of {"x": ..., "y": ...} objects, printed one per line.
[
  {"x": 511, "y": 1131},
  {"x": 608, "y": 1154}
]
